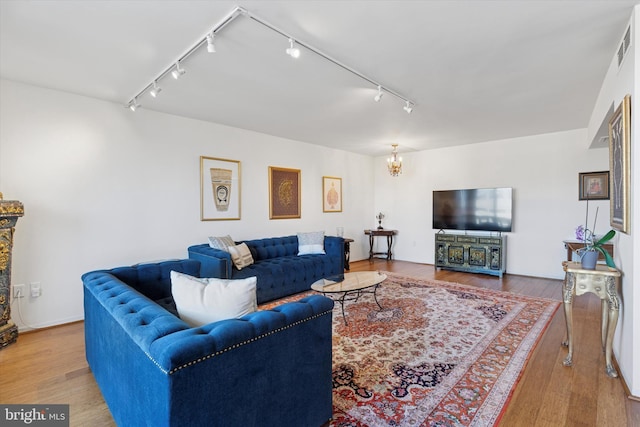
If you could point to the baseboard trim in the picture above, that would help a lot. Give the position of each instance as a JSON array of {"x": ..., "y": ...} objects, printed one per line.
[
  {"x": 26, "y": 329},
  {"x": 627, "y": 391}
]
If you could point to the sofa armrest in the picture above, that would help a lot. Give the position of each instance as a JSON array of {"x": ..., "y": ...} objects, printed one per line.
[
  {"x": 213, "y": 262},
  {"x": 334, "y": 247}
]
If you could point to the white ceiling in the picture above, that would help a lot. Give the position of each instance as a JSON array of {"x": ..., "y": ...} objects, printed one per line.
[{"x": 477, "y": 70}]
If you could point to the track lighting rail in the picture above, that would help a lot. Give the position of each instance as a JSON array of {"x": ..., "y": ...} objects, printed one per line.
[{"x": 240, "y": 11}]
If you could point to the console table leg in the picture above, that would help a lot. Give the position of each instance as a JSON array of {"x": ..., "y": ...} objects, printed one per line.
[
  {"x": 567, "y": 297},
  {"x": 370, "y": 247},
  {"x": 613, "y": 306},
  {"x": 612, "y": 320}
]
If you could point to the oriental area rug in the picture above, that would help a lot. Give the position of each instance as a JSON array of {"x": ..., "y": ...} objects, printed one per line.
[{"x": 436, "y": 354}]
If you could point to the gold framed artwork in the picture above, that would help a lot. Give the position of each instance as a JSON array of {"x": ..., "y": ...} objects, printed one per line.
[
  {"x": 219, "y": 189},
  {"x": 331, "y": 194},
  {"x": 593, "y": 185},
  {"x": 284, "y": 193},
  {"x": 620, "y": 165}
]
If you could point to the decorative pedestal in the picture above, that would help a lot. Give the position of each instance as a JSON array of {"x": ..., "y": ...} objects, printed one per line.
[
  {"x": 10, "y": 211},
  {"x": 604, "y": 282}
]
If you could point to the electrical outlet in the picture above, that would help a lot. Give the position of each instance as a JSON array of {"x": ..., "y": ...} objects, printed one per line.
[
  {"x": 18, "y": 291},
  {"x": 36, "y": 290}
]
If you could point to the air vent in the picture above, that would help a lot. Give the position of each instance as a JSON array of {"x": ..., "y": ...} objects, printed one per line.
[{"x": 624, "y": 46}]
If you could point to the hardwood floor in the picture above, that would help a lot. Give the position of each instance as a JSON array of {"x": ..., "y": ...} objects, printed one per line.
[{"x": 49, "y": 366}]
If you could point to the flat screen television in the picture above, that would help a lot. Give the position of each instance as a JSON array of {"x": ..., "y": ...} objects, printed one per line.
[{"x": 482, "y": 209}]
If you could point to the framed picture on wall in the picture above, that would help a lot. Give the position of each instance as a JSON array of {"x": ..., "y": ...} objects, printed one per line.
[
  {"x": 284, "y": 193},
  {"x": 331, "y": 194},
  {"x": 593, "y": 185},
  {"x": 620, "y": 165},
  {"x": 219, "y": 189}
]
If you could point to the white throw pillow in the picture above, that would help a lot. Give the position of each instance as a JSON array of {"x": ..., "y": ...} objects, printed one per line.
[
  {"x": 221, "y": 243},
  {"x": 311, "y": 243},
  {"x": 202, "y": 301},
  {"x": 241, "y": 255}
]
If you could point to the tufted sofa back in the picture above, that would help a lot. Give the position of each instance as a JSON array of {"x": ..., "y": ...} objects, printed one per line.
[
  {"x": 279, "y": 269},
  {"x": 273, "y": 247},
  {"x": 154, "y": 279}
]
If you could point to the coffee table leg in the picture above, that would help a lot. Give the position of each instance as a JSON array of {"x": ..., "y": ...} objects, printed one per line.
[
  {"x": 359, "y": 292},
  {"x": 375, "y": 295},
  {"x": 341, "y": 300}
]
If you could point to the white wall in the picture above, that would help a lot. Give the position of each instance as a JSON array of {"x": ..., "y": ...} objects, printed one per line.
[
  {"x": 103, "y": 187},
  {"x": 543, "y": 172},
  {"x": 618, "y": 83}
]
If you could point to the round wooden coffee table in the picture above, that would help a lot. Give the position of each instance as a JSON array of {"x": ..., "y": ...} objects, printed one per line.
[{"x": 350, "y": 286}]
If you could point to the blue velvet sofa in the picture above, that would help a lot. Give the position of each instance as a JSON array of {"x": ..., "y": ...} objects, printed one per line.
[
  {"x": 268, "y": 368},
  {"x": 279, "y": 269}
]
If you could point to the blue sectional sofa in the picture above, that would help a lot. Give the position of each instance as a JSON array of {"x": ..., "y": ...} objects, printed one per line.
[
  {"x": 268, "y": 368},
  {"x": 277, "y": 265}
]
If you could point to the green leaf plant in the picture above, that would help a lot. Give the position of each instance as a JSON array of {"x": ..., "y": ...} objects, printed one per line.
[
  {"x": 593, "y": 244},
  {"x": 598, "y": 245}
]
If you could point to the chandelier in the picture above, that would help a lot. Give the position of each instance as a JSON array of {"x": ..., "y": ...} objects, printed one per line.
[{"x": 394, "y": 163}]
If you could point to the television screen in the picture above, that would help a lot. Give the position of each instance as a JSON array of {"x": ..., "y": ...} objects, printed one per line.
[{"x": 483, "y": 209}]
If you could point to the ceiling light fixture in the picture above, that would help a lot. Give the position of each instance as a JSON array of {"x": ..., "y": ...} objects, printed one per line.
[
  {"x": 155, "y": 90},
  {"x": 211, "y": 48},
  {"x": 133, "y": 105},
  {"x": 378, "y": 96},
  {"x": 293, "y": 51},
  {"x": 178, "y": 72},
  {"x": 394, "y": 163}
]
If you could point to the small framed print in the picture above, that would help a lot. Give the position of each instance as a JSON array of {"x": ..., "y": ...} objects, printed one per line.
[
  {"x": 219, "y": 189},
  {"x": 284, "y": 193},
  {"x": 593, "y": 185},
  {"x": 331, "y": 194}
]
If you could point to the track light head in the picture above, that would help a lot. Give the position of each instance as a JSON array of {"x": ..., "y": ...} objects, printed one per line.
[
  {"x": 155, "y": 90},
  {"x": 133, "y": 105},
  {"x": 378, "y": 96},
  {"x": 293, "y": 51},
  {"x": 211, "y": 48},
  {"x": 178, "y": 71},
  {"x": 408, "y": 108}
]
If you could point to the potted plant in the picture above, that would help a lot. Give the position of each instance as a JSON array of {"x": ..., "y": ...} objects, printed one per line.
[{"x": 593, "y": 246}]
